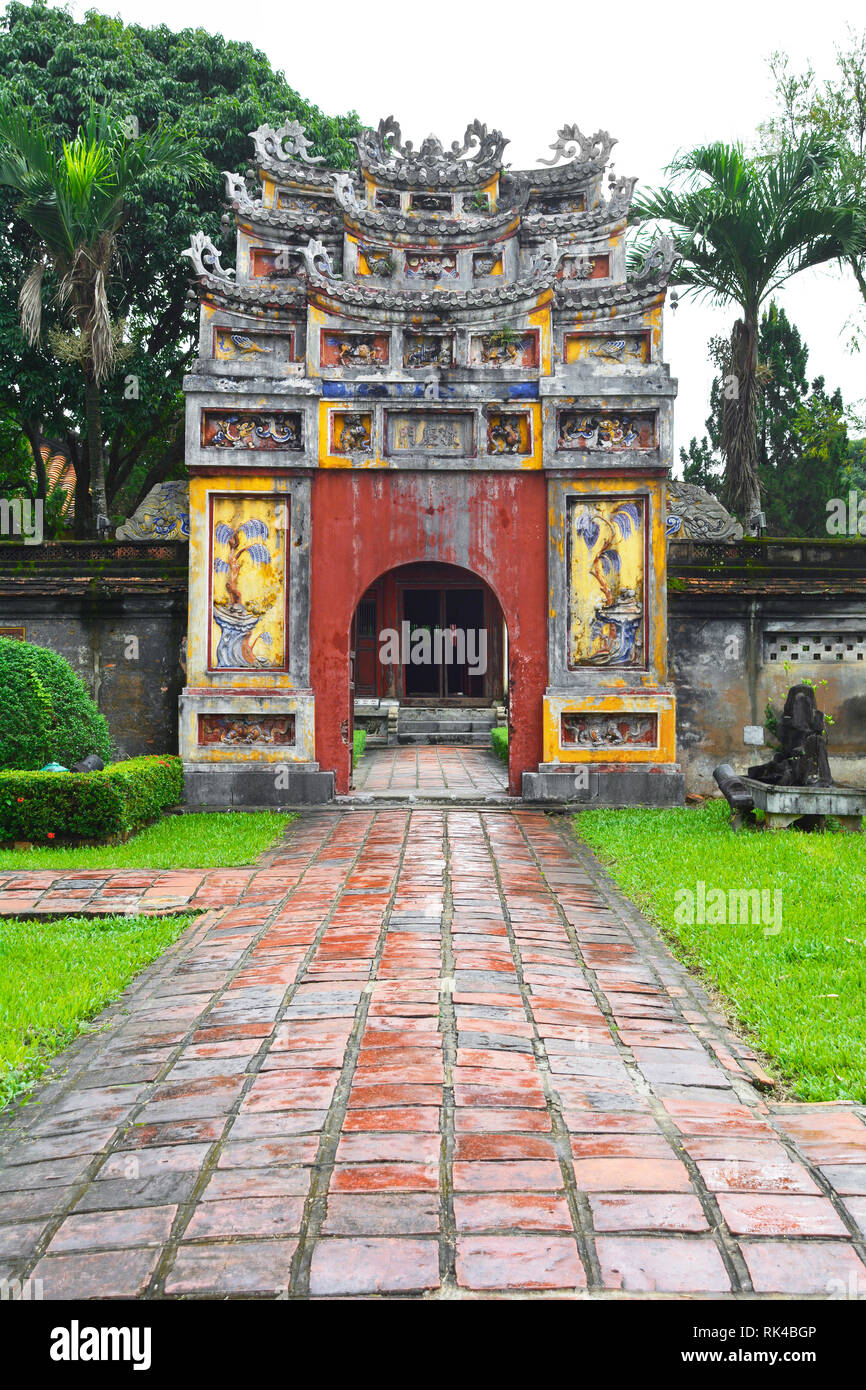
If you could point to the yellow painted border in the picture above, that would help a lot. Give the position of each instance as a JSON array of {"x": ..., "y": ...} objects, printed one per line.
[
  {"x": 625, "y": 485},
  {"x": 662, "y": 705},
  {"x": 198, "y": 675}
]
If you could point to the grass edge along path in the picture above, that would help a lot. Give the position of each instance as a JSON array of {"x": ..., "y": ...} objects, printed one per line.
[
  {"x": 796, "y": 986},
  {"x": 57, "y": 976},
  {"x": 195, "y": 840}
]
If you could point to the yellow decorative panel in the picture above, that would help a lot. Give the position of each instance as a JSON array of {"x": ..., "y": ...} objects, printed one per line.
[{"x": 636, "y": 727}]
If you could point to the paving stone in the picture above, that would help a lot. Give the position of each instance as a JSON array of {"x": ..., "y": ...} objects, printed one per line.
[
  {"x": 519, "y": 1262},
  {"x": 766, "y": 1214},
  {"x": 531, "y": 1174},
  {"x": 246, "y": 1216},
  {"x": 745, "y": 1175},
  {"x": 631, "y": 1175},
  {"x": 856, "y": 1206},
  {"x": 649, "y": 1211},
  {"x": 239, "y": 1267},
  {"x": 830, "y": 1268},
  {"x": 414, "y": 1119},
  {"x": 386, "y": 1177},
  {"x": 387, "y": 1265},
  {"x": 381, "y": 1214},
  {"x": 517, "y": 1211},
  {"x": 105, "y": 1274},
  {"x": 122, "y": 1229},
  {"x": 847, "y": 1178},
  {"x": 660, "y": 1264},
  {"x": 257, "y": 1182},
  {"x": 20, "y": 1240}
]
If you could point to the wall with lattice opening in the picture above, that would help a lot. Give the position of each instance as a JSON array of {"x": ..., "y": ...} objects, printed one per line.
[{"x": 815, "y": 644}]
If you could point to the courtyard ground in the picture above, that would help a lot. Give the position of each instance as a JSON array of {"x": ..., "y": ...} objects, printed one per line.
[
  {"x": 425, "y": 1053},
  {"x": 430, "y": 770}
]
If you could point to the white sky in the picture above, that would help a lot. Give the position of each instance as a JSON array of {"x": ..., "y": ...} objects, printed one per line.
[{"x": 658, "y": 76}]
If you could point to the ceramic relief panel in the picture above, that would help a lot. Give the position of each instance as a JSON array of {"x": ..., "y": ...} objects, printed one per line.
[
  {"x": 607, "y": 561},
  {"x": 248, "y": 562}
]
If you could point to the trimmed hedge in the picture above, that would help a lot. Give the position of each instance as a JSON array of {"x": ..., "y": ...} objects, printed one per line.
[
  {"x": 47, "y": 806},
  {"x": 499, "y": 739},
  {"x": 46, "y": 713}
]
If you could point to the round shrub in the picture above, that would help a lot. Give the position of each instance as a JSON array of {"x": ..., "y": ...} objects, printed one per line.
[{"x": 46, "y": 714}]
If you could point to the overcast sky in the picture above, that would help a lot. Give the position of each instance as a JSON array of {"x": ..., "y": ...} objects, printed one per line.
[{"x": 659, "y": 77}]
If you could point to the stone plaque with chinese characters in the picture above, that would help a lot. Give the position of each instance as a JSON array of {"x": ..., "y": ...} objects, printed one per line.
[{"x": 430, "y": 432}]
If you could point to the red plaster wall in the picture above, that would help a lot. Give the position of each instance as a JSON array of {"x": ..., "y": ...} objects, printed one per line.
[{"x": 365, "y": 523}]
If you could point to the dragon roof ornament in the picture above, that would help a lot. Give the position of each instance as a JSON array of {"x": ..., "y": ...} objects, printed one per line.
[
  {"x": 383, "y": 153},
  {"x": 317, "y": 261},
  {"x": 286, "y": 144},
  {"x": 238, "y": 194},
  {"x": 695, "y": 514},
  {"x": 575, "y": 148},
  {"x": 659, "y": 261},
  {"x": 206, "y": 258},
  {"x": 346, "y": 193}
]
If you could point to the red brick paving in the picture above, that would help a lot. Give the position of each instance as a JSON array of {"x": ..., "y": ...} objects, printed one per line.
[
  {"x": 437, "y": 770},
  {"x": 417, "y": 1054}
]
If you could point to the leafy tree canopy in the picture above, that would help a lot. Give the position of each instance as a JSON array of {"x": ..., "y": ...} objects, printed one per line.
[
  {"x": 832, "y": 112},
  {"x": 218, "y": 90}
]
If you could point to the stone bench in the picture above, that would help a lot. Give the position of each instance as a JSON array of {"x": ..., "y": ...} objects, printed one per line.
[{"x": 784, "y": 805}]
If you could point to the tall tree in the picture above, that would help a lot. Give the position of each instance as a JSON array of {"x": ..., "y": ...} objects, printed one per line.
[
  {"x": 803, "y": 449},
  {"x": 742, "y": 228},
  {"x": 832, "y": 112},
  {"x": 74, "y": 200},
  {"x": 219, "y": 91}
]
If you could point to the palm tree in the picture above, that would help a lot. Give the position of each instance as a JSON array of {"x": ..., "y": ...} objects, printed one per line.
[
  {"x": 742, "y": 227},
  {"x": 74, "y": 199}
]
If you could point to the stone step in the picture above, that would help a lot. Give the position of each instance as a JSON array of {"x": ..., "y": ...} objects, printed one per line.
[
  {"x": 426, "y": 726},
  {"x": 474, "y": 738},
  {"x": 446, "y": 716}
]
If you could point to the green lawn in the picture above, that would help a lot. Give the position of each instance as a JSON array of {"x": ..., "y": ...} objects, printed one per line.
[
  {"x": 799, "y": 994},
  {"x": 499, "y": 741},
  {"x": 55, "y": 976},
  {"x": 200, "y": 840},
  {"x": 359, "y": 744}
]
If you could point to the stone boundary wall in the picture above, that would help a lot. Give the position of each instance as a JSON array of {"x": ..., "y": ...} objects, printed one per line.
[
  {"x": 737, "y": 613},
  {"x": 118, "y": 614}
]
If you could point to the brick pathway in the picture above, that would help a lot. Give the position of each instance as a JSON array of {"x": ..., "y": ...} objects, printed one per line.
[
  {"x": 104, "y": 891},
  {"x": 425, "y": 1053},
  {"x": 431, "y": 769}
]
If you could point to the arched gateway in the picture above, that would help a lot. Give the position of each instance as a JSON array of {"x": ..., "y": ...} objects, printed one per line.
[{"x": 433, "y": 362}]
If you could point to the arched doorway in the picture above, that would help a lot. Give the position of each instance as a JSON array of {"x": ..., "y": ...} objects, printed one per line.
[
  {"x": 430, "y": 632},
  {"x": 428, "y": 659}
]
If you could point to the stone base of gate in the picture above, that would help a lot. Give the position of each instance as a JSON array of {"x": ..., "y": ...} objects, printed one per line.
[
  {"x": 214, "y": 786},
  {"x": 603, "y": 784}
]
